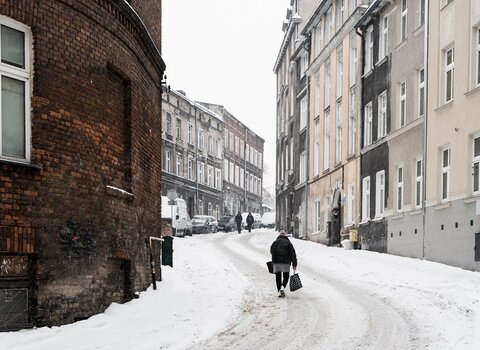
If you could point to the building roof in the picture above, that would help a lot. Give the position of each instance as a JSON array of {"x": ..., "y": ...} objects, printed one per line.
[{"x": 180, "y": 94}]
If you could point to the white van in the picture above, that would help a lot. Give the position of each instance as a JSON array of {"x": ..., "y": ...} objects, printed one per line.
[
  {"x": 181, "y": 220},
  {"x": 268, "y": 219}
]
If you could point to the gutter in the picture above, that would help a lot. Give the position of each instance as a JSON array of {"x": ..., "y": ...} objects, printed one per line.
[{"x": 425, "y": 124}]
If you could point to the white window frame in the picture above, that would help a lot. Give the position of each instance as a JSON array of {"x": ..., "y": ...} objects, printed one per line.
[
  {"x": 191, "y": 166},
  {"x": 303, "y": 113},
  {"x": 380, "y": 193},
  {"x": 237, "y": 145},
  {"x": 418, "y": 182},
  {"x": 179, "y": 169},
  {"x": 242, "y": 177},
  {"x": 351, "y": 204},
  {"x": 352, "y": 127},
  {"x": 328, "y": 85},
  {"x": 421, "y": 92},
  {"x": 231, "y": 173},
  {"x": 242, "y": 149},
  {"x": 340, "y": 14},
  {"x": 421, "y": 13},
  {"x": 368, "y": 125},
  {"x": 190, "y": 134},
  {"x": 477, "y": 51},
  {"x": 338, "y": 132},
  {"x": 449, "y": 73},
  {"x": 366, "y": 198},
  {"x": 382, "y": 115},
  {"x": 316, "y": 96},
  {"x": 210, "y": 208},
  {"x": 237, "y": 175},
  {"x": 403, "y": 104},
  {"x": 200, "y": 207},
  {"x": 200, "y": 139},
  {"x": 168, "y": 128},
  {"x": 383, "y": 49},
  {"x": 445, "y": 174},
  {"x": 326, "y": 207},
  {"x": 369, "y": 50},
  {"x": 353, "y": 59},
  {"x": 179, "y": 128},
  {"x": 225, "y": 169},
  {"x": 403, "y": 20},
  {"x": 326, "y": 140},
  {"x": 23, "y": 75},
  {"x": 201, "y": 174},
  {"x": 318, "y": 38},
  {"x": 303, "y": 167},
  {"x": 339, "y": 83},
  {"x": 400, "y": 188},
  {"x": 210, "y": 178},
  {"x": 317, "y": 212},
  {"x": 352, "y": 6},
  {"x": 475, "y": 167},
  {"x": 168, "y": 161}
]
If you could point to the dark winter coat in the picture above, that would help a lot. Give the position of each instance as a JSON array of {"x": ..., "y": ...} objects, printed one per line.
[
  {"x": 283, "y": 252},
  {"x": 238, "y": 219},
  {"x": 250, "y": 219}
]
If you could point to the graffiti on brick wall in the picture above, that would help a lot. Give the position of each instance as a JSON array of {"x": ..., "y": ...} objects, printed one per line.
[
  {"x": 77, "y": 239},
  {"x": 13, "y": 266}
]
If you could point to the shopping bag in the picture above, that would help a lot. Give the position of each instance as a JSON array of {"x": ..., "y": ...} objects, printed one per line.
[
  {"x": 270, "y": 266},
  {"x": 295, "y": 282}
]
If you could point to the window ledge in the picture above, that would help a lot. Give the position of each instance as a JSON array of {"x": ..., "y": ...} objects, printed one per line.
[
  {"x": 473, "y": 198},
  {"x": 418, "y": 211},
  {"x": 397, "y": 216},
  {"x": 401, "y": 44},
  {"x": 443, "y": 205},
  {"x": 363, "y": 223},
  {"x": 419, "y": 29},
  {"x": 473, "y": 91},
  {"x": 22, "y": 164},
  {"x": 378, "y": 218},
  {"x": 367, "y": 74},
  {"x": 326, "y": 171},
  {"x": 382, "y": 61},
  {"x": 444, "y": 106}
]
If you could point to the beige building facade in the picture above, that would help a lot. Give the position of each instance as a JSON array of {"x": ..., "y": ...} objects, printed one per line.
[
  {"x": 333, "y": 74},
  {"x": 453, "y": 134}
]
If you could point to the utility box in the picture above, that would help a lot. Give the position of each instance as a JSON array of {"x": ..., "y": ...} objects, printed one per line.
[
  {"x": 353, "y": 235},
  {"x": 167, "y": 251}
]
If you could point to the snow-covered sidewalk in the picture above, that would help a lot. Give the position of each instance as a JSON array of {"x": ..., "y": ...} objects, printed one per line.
[{"x": 204, "y": 293}]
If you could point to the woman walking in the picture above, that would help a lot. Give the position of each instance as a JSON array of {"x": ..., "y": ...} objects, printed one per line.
[{"x": 283, "y": 254}]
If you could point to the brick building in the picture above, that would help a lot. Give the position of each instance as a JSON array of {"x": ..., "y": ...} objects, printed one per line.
[
  {"x": 80, "y": 155},
  {"x": 192, "y": 153}
]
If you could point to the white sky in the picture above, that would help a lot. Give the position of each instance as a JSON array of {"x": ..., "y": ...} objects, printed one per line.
[{"x": 223, "y": 51}]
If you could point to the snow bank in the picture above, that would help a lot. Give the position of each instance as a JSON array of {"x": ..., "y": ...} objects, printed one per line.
[{"x": 194, "y": 301}]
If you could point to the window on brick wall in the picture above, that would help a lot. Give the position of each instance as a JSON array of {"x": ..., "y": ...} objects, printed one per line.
[{"x": 15, "y": 91}]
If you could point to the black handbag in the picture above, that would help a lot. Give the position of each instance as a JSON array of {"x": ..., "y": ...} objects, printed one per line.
[
  {"x": 270, "y": 266},
  {"x": 295, "y": 283}
]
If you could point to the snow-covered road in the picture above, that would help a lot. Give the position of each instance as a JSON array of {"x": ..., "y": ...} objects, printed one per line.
[{"x": 219, "y": 295}]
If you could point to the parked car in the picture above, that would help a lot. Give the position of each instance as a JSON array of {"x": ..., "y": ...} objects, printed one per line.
[
  {"x": 227, "y": 223},
  {"x": 181, "y": 223},
  {"x": 256, "y": 224},
  {"x": 268, "y": 219},
  {"x": 204, "y": 224}
]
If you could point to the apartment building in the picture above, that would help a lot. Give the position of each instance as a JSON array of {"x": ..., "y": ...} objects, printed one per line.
[
  {"x": 292, "y": 118},
  {"x": 242, "y": 164},
  {"x": 453, "y": 134},
  {"x": 333, "y": 73},
  {"x": 192, "y": 153}
]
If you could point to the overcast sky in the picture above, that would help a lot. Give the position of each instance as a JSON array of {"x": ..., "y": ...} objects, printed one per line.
[{"x": 223, "y": 52}]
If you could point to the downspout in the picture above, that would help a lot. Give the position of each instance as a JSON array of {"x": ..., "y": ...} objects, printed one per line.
[
  {"x": 196, "y": 159},
  {"x": 425, "y": 119},
  {"x": 245, "y": 170},
  {"x": 308, "y": 159}
]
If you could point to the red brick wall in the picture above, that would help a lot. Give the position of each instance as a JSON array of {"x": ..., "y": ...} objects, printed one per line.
[{"x": 95, "y": 122}]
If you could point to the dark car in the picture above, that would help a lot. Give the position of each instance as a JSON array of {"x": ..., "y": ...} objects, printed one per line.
[
  {"x": 227, "y": 223},
  {"x": 204, "y": 224}
]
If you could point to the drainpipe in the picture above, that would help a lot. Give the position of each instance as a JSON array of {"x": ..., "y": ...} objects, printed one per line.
[
  {"x": 196, "y": 159},
  {"x": 425, "y": 119},
  {"x": 245, "y": 170},
  {"x": 308, "y": 158}
]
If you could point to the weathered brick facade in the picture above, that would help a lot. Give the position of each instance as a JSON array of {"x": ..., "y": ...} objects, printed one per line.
[{"x": 95, "y": 129}]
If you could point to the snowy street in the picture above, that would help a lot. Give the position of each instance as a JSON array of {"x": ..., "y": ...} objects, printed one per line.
[{"x": 219, "y": 295}]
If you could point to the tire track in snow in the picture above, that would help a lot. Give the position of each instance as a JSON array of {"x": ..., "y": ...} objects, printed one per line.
[{"x": 325, "y": 314}]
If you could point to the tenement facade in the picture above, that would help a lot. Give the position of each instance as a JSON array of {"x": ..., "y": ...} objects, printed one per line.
[
  {"x": 192, "y": 154},
  {"x": 242, "y": 164},
  {"x": 79, "y": 155}
]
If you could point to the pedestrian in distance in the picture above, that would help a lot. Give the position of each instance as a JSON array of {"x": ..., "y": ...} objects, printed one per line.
[
  {"x": 283, "y": 255},
  {"x": 238, "y": 220},
  {"x": 250, "y": 221}
]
